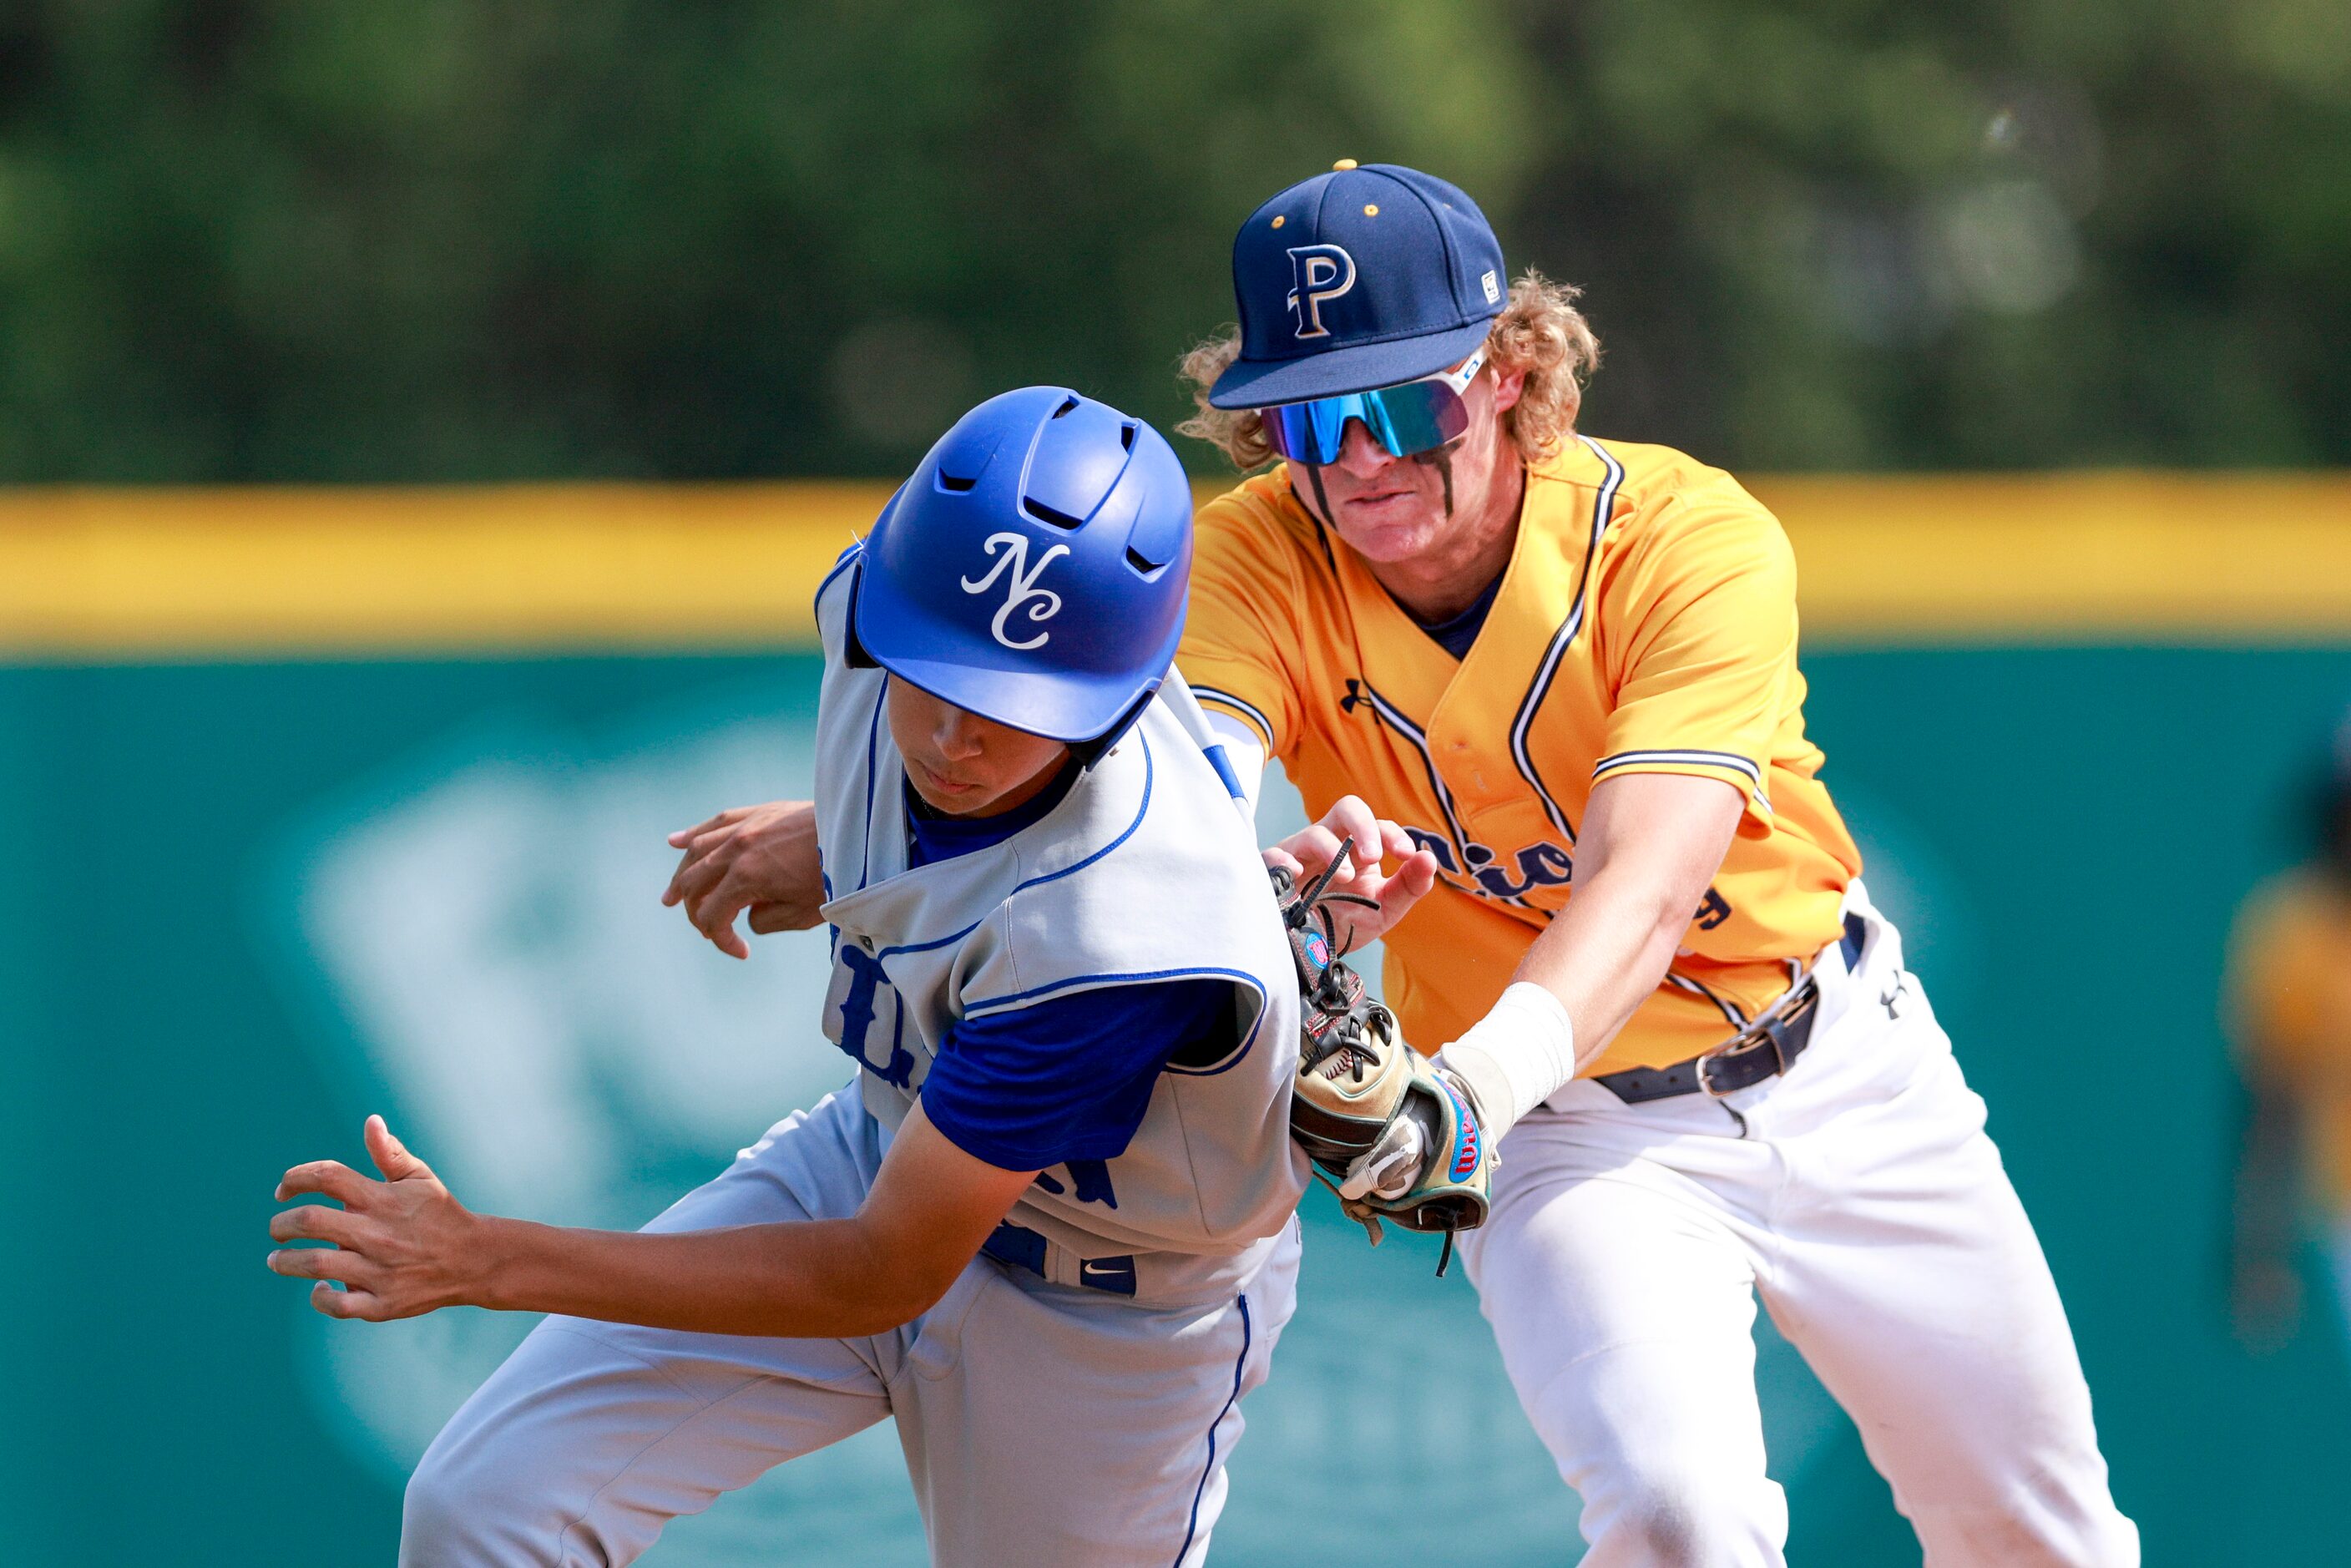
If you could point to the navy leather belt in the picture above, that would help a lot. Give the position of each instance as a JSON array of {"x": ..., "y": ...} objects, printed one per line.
[{"x": 1767, "y": 1047}]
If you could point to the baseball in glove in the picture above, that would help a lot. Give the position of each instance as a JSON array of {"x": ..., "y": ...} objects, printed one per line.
[{"x": 1394, "y": 1134}]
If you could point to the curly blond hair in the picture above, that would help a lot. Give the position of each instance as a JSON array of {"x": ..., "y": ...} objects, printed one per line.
[{"x": 1540, "y": 331}]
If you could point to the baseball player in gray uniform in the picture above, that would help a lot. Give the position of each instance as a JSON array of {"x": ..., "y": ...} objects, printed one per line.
[{"x": 1050, "y": 1227}]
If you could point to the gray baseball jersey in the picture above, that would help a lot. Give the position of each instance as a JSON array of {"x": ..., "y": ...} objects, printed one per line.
[{"x": 1145, "y": 871}]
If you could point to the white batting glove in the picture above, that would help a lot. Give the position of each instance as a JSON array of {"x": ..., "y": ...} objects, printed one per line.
[{"x": 1390, "y": 1166}]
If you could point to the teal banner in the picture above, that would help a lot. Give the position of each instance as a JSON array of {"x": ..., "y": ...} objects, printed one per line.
[{"x": 241, "y": 907}]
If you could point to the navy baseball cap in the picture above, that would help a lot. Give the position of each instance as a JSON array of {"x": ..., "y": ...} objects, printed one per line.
[{"x": 1356, "y": 279}]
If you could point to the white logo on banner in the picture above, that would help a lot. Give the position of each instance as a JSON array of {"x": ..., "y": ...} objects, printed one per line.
[{"x": 1043, "y": 603}]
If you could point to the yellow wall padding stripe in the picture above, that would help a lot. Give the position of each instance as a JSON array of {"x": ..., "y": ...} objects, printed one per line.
[
  {"x": 133, "y": 574},
  {"x": 2070, "y": 557},
  {"x": 290, "y": 571}
]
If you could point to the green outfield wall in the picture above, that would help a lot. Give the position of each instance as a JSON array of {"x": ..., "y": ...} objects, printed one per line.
[{"x": 249, "y": 894}]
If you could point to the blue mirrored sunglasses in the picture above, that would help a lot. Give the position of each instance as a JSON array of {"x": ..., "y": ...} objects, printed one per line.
[{"x": 1416, "y": 417}]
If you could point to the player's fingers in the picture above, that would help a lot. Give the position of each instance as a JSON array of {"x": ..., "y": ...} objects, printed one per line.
[
  {"x": 390, "y": 1155},
  {"x": 1279, "y": 858},
  {"x": 319, "y": 1263},
  {"x": 1314, "y": 848},
  {"x": 705, "y": 859},
  {"x": 725, "y": 936},
  {"x": 314, "y": 1222},
  {"x": 1396, "y": 845},
  {"x": 714, "y": 916},
  {"x": 1418, "y": 873},
  {"x": 330, "y": 1178},
  {"x": 361, "y": 1306},
  {"x": 684, "y": 836},
  {"x": 1352, "y": 820}
]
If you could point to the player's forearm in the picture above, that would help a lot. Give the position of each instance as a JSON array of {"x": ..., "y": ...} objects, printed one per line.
[
  {"x": 1607, "y": 952},
  {"x": 817, "y": 1279},
  {"x": 1576, "y": 986}
]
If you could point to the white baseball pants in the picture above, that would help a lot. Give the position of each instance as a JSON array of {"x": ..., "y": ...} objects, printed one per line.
[
  {"x": 1042, "y": 1424},
  {"x": 1863, "y": 1202}
]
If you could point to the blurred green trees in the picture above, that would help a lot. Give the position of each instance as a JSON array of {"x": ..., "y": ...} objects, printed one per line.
[{"x": 429, "y": 239}]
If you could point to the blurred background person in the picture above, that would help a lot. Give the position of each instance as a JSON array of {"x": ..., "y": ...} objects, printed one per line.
[{"x": 2289, "y": 1018}]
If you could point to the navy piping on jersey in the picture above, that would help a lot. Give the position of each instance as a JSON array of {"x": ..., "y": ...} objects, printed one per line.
[
  {"x": 1390, "y": 714},
  {"x": 1729, "y": 1008},
  {"x": 1241, "y": 1368},
  {"x": 1604, "y": 508},
  {"x": 872, "y": 735},
  {"x": 841, "y": 563},
  {"x": 1042, "y": 993},
  {"x": 1148, "y": 768},
  {"x": 1729, "y": 759},
  {"x": 1264, "y": 725},
  {"x": 872, "y": 744}
]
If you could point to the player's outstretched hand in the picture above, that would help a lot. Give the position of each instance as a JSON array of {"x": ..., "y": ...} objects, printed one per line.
[
  {"x": 1369, "y": 841},
  {"x": 759, "y": 858},
  {"x": 399, "y": 1247}
]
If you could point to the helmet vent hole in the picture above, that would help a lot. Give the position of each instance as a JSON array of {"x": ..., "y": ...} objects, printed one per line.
[
  {"x": 1067, "y": 406},
  {"x": 1044, "y": 513},
  {"x": 1126, "y": 436},
  {"x": 1141, "y": 563},
  {"x": 956, "y": 484}
]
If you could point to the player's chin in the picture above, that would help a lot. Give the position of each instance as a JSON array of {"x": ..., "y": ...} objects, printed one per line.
[
  {"x": 1397, "y": 536},
  {"x": 954, "y": 795}
]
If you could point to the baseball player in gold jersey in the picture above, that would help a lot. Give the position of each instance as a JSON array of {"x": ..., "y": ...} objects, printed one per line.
[
  {"x": 1551, "y": 680},
  {"x": 2289, "y": 1017}
]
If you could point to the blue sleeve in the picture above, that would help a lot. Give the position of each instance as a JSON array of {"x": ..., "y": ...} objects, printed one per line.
[{"x": 1068, "y": 1079}]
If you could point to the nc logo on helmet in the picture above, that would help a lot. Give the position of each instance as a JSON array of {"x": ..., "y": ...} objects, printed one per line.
[
  {"x": 1319, "y": 274},
  {"x": 1042, "y": 603}
]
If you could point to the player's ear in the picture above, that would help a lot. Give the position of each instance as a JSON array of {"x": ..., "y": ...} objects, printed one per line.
[{"x": 1509, "y": 387}]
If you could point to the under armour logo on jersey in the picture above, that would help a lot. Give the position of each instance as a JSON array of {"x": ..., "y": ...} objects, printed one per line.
[
  {"x": 1042, "y": 603},
  {"x": 1319, "y": 274}
]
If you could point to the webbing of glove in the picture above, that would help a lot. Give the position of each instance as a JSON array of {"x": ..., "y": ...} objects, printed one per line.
[
  {"x": 1351, "y": 1072},
  {"x": 1356, "y": 1075},
  {"x": 1453, "y": 1190}
]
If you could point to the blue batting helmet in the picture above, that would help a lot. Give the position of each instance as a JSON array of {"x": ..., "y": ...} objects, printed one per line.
[{"x": 1032, "y": 569}]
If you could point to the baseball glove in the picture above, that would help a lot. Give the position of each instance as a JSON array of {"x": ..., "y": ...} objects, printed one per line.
[{"x": 1364, "y": 1095}]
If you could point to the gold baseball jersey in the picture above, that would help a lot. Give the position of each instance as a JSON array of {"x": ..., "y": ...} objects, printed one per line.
[
  {"x": 1646, "y": 623},
  {"x": 2290, "y": 1011}
]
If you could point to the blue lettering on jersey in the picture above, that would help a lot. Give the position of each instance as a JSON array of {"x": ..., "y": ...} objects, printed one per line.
[
  {"x": 1091, "y": 1179},
  {"x": 1437, "y": 845},
  {"x": 1540, "y": 864},
  {"x": 866, "y": 978}
]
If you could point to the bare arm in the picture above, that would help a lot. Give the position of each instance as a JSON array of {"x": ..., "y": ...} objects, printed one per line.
[
  {"x": 1650, "y": 844},
  {"x": 759, "y": 858},
  {"x": 404, "y": 1246}
]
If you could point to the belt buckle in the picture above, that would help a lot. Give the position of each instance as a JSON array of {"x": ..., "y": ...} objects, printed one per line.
[
  {"x": 1706, "y": 1083},
  {"x": 1771, "y": 1029}
]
